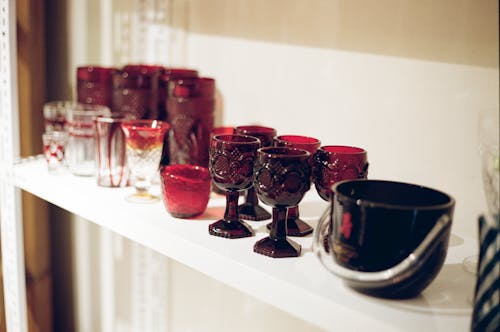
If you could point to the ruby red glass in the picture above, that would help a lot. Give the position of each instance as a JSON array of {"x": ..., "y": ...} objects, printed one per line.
[
  {"x": 232, "y": 159},
  {"x": 222, "y": 130},
  {"x": 133, "y": 91},
  {"x": 94, "y": 85},
  {"x": 334, "y": 163},
  {"x": 144, "y": 142},
  {"x": 282, "y": 177},
  {"x": 185, "y": 189},
  {"x": 160, "y": 90},
  {"x": 190, "y": 108},
  {"x": 250, "y": 209},
  {"x": 297, "y": 226}
]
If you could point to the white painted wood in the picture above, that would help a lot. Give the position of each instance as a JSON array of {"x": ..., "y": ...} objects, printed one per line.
[
  {"x": 10, "y": 203},
  {"x": 300, "y": 286}
]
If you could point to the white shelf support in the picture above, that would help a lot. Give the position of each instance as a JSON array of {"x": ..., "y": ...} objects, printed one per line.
[{"x": 10, "y": 206}]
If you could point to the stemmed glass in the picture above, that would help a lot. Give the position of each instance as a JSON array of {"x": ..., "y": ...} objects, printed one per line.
[
  {"x": 144, "y": 143},
  {"x": 250, "y": 209},
  {"x": 282, "y": 177},
  {"x": 334, "y": 163},
  {"x": 490, "y": 170},
  {"x": 222, "y": 130},
  {"x": 232, "y": 159},
  {"x": 295, "y": 225}
]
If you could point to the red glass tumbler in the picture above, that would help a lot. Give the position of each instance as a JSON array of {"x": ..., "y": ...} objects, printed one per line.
[
  {"x": 295, "y": 225},
  {"x": 95, "y": 85},
  {"x": 133, "y": 91},
  {"x": 232, "y": 159},
  {"x": 250, "y": 209},
  {"x": 190, "y": 108},
  {"x": 161, "y": 93}
]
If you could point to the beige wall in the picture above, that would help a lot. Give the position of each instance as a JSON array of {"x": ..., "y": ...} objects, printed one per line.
[{"x": 450, "y": 31}]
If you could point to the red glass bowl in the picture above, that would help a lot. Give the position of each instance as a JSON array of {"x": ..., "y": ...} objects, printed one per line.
[{"x": 185, "y": 189}]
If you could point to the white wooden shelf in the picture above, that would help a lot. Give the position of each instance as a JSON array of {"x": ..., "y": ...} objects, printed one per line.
[{"x": 300, "y": 286}]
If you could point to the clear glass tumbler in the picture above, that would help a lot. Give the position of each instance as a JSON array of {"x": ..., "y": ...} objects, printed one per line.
[{"x": 81, "y": 155}]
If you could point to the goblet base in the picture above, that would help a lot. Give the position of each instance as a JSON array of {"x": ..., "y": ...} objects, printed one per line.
[
  {"x": 233, "y": 230},
  {"x": 296, "y": 227},
  {"x": 142, "y": 198},
  {"x": 253, "y": 212},
  {"x": 277, "y": 248}
]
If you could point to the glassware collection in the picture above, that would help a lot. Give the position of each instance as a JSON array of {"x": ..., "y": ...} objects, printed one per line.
[{"x": 131, "y": 123}]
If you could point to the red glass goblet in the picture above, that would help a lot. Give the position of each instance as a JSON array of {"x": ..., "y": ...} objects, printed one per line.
[
  {"x": 295, "y": 225},
  {"x": 282, "y": 177},
  {"x": 250, "y": 209},
  {"x": 144, "y": 142},
  {"x": 334, "y": 163},
  {"x": 232, "y": 159},
  {"x": 222, "y": 130}
]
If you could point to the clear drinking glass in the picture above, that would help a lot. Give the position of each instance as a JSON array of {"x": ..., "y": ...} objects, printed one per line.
[
  {"x": 81, "y": 155},
  {"x": 490, "y": 169},
  {"x": 55, "y": 114},
  {"x": 54, "y": 143}
]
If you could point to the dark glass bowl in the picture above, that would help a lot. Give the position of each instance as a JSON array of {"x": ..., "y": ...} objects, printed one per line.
[{"x": 387, "y": 239}]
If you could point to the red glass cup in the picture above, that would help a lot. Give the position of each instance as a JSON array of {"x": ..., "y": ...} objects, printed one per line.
[
  {"x": 185, "y": 189},
  {"x": 95, "y": 85},
  {"x": 250, "y": 209},
  {"x": 282, "y": 177},
  {"x": 144, "y": 142},
  {"x": 232, "y": 159},
  {"x": 134, "y": 93},
  {"x": 160, "y": 91},
  {"x": 332, "y": 164},
  {"x": 295, "y": 225},
  {"x": 190, "y": 108}
]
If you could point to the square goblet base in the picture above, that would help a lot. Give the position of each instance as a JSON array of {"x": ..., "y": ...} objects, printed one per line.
[
  {"x": 230, "y": 230},
  {"x": 253, "y": 212},
  {"x": 277, "y": 248}
]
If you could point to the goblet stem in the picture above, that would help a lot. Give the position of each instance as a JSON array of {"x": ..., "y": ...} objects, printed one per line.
[
  {"x": 142, "y": 194},
  {"x": 231, "y": 226},
  {"x": 142, "y": 184},
  {"x": 250, "y": 209},
  {"x": 231, "y": 213},
  {"x": 276, "y": 245},
  {"x": 278, "y": 228},
  {"x": 295, "y": 225}
]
